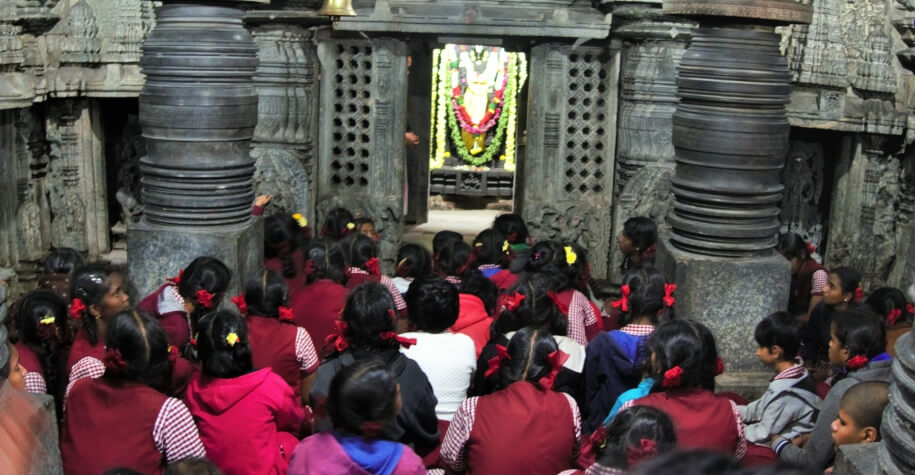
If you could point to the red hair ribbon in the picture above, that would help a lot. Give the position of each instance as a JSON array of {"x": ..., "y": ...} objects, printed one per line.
[
  {"x": 810, "y": 247},
  {"x": 909, "y": 308},
  {"x": 172, "y": 355},
  {"x": 558, "y": 301},
  {"x": 598, "y": 438},
  {"x": 647, "y": 448},
  {"x": 511, "y": 302},
  {"x": 857, "y": 362},
  {"x": 239, "y": 301},
  {"x": 623, "y": 302},
  {"x": 672, "y": 377},
  {"x": 893, "y": 316},
  {"x": 338, "y": 339},
  {"x": 466, "y": 266},
  {"x": 370, "y": 428},
  {"x": 176, "y": 279},
  {"x": 859, "y": 294},
  {"x": 495, "y": 362},
  {"x": 371, "y": 265},
  {"x": 285, "y": 314},
  {"x": 392, "y": 314},
  {"x": 114, "y": 362},
  {"x": 719, "y": 366},
  {"x": 404, "y": 342},
  {"x": 555, "y": 359},
  {"x": 309, "y": 267},
  {"x": 193, "y": 341},
  {"x": 668, "y": 294},
  {"x": 205, "y": 298},
  {"x": 77, "y": 307},
  {"x": 650, "y": 251}
]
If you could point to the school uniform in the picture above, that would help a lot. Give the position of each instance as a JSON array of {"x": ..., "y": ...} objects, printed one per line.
[
  {"x": 504, "y": 279},
  {"x": 285, "y": 348},
  {"x": 317, "y": 307},
  {"x": 328, "y": 453},
  {"x": 473, "y": 320},
  {"x": 358, "y": 276},
  {"x": 246, "y": 423},
  {"x": 581, "y": 313},
  {"x": 611, "y": 367},
  {"x": 124, "y": 424},
  {"x": 489, "y": 270},
  {"x": 35, "y": 381},
  {"x": 568, "y": 380},
  {"x": 296, "y": 283},
  {"x": 520, "y": 429},
  {"x": 702, "y": 419},
  {"x": 808, "y": 282},
  {"x": 168, "y": 307},
  {"x": 85, "y": 360},
  {"x": 789, "y": 407}
]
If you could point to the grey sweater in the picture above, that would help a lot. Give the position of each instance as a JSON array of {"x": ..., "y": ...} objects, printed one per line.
[
  {"x": 783, "y": 410},
  {"x": 819, "y": 450}
]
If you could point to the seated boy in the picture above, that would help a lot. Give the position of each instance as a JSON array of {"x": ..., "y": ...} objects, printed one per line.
[
  {"x": 790, "y": 404},
  {"x": 860, "y": 413}
]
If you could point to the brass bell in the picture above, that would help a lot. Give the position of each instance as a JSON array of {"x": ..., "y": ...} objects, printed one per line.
[{"x": 337, "y": 8}]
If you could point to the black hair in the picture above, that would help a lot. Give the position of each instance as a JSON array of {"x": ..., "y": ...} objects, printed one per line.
[
  {"x": 282, "y": 237},
  {"x": 143, "y": 345},
  {"x": 537, "y": 309},
  {"x": 43, "y": 339},
  {"x": 477, "y": 284},
  {"x": 222, "y": 355},
  {"x": 358, "y": 249},
  {"x": 326, "y": 259},
  {"x": 528, "y": 351},
  {"x": 792, "y": 246},
  {"x": 62, "y": 260},
  {"x": 413, "y": 261},
  {"x": 709, "y": 355},
  {"x": 363, "y": 220},
  {"x": 578, "y": 272},
  {"x": 861, "y": 332},
  {"x": 642, "y": 231},
  {"x": 365, "y": 391},
  {"x": 548, "y": 258},
  {"x": 629, "y": 428},
  {"x": 676, "y": 343},
  {"x": 444, "y": 238},
  {"x": 265, "y": 293},
  {"x": 849, "y": 279},
  {"x": 455, "y": 258},
  {"x": 488, "y": 248},
  {"x": 432, "y": 304},
  {"x": 864, "y": 403},
  {"x": 646, "y": 295},
  {"x": 192, "y": 466},
  {"x": 690, "y": 462},
  {"x": 336, "y": 224},
  {"x": 511, "y": 226},
  {"x": 780, "y": 329},
  {"x": 204, "y": 273},
  {"x": 369, "y": 311},
  {"x": 887, "y": 299},
  {"x": 90, "y": 284}
]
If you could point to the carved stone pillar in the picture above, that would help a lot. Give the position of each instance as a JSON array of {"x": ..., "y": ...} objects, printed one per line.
[
  {"x": 198, "y": 111},
  {"x": 897, "y": 453}
]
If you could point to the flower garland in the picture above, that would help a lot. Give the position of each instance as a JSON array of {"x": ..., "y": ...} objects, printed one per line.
[
  {"x": 493, "y": 110},
  {"x": 438, "y": 159},
  {"x": 494, "y": 145},
  {"x": 511, "y": 106}
]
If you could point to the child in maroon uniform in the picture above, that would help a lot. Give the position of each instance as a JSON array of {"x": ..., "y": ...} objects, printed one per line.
[
  {"x": 360, "y": 254},
  {"x": 179, "y": 302},
  {"x": 284, "y": 239},
  {"x": 491, "y": 251},
  {"x": 704, "y": 420},
  {"x": 276, "y": 341},
  {"x": 524, "y": 428},
  {"x": 124, "y": 412},
  {"x": 808, "y": 277},
  {"x": 638, "y": 434},
  {"x": 363, "y": 398},
  {"x": 38, "y": 334},
  {"x": 319, "y": 304},
  {"x": 413, "y": 262},
  {"x": 890, "y": 304},
  {"x": 453, "y": 261},
  {"x": 637, "y": 242},
  {"x": 98, "y": 294},
  {"x": 246, "y": 417},
  {"x": 338, "y": 224}
]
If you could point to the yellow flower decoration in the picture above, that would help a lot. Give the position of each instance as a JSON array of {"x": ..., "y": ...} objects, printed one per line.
[
  {"x": 301, "y": 220},
  {"x": 479, "y": 244},
  {"x": 571, "y": 257},
  {"x": 505, "y": 246},
  {"x": 351, "y": 226},
  {"x": 447, "y": 154},
  {"x": 232, "y": 338},
  {"x": 47, "y": 320}
]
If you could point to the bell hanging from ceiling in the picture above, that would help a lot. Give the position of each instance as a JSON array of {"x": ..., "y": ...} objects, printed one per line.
[{"x": 337, "y": 8}]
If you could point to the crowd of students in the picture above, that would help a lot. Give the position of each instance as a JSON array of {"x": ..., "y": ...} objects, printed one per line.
[{"x": 498, "y": 355}]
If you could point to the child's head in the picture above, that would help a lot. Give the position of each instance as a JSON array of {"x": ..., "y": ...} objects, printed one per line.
[
  {"x": 366, "y": 227},
  {"x": 192, "y": 466},
  {"x": 856, "y": 333},
  {"x": 842, "y": 286},
  {"x": 136, "y": 349},
  {"x": 639, "y": 233},
  {"x": 549, "y": 259},
  {"x": 635, "y": 435},
  {"x": 204, "y": 283},
  {"x": 528, "y": 357},
  {"x": 677, "y": 356},
  {"x": 432, "y": 304},
  {"x": 512, "y": 227},
  {"x": 778, "y": 337},
  {"x": 368, "y": 314},
  {"x": 648, "y": 296},
  {"x": 282, "y": 236},
  {"x": 413, "y": 261},
  {"x": 338, "y": 223},
  {"x": 12, "y": 371},
  {"x": 41, "y": 326},
  {"x": 323, "y": 260},
  {"x": 265, "y": 293},
  {"x": 62, "y": 260},
  {"x": 577, "y": 269},
  {"x": 795, "y": 249},
  {"x": 860, "y": 412},
  {"x": 890, "y": 304},
  {"x": 97, "y": 291},
  {"x": 489, "y": 247},
  {"x": 455, "y": 258},
  {"x": 222, "y": 345},
  {"x": 528, "y": 304},
  {"x": 477, "y": 284},
  {"x": 363, "y": 397},
  {"x": 444, "y": 238},
  {"x": 357, "y": 250}
]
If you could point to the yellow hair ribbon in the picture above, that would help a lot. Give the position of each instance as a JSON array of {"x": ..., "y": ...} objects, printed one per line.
[
  {"x": 571, "y": 257},
  {"x": 301, "y": 220},
  {"x": 232, "y": 338},
  {"x": 351, "y": 226}
]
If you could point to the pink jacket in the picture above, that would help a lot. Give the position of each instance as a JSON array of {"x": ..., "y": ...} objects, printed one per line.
[
  {"x": 321, "y": 454},
  {"x": 246, "y": 423}
]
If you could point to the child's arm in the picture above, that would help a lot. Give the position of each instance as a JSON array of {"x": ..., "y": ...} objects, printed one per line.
[
  {"x": 452, "y": 451},
  {"x": 289, "y": 413},
  {"x": 819, "y": 450}
]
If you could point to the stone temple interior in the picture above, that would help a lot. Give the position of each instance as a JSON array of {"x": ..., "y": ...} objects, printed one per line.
[{"x": 728, "y": 122}]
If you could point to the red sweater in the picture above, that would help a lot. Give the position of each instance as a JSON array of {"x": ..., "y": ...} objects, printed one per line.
[
  {"x": 473, "y": 321},
  {"x": 174, "y": 320}
]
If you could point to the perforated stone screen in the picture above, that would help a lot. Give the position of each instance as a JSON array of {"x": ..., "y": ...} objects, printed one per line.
[
  {"x": 585, "y": 134},
  {"x": 351, "y": 132}
]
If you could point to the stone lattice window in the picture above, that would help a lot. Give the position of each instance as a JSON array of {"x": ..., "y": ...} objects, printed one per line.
[
  {"x": 585, "y": 135},
  {"x": 351, "y": 131}
]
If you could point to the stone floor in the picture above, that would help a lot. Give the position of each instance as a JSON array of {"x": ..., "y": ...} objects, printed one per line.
[{"x": 467, "y": 222}]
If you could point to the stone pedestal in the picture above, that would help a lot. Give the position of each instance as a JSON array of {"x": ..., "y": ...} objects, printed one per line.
[{"x": 730, "y": 296}]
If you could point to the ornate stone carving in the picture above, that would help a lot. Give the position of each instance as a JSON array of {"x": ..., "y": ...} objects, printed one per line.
[
  {"x": 804, "y": 179},
  {"x": 816, "y": 52},
  {"x": 80, "y": 43},
  {"x": 864, "y": 27}
]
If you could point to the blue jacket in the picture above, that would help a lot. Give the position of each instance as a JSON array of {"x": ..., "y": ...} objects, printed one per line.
[{"x": 611, "y": 367}]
